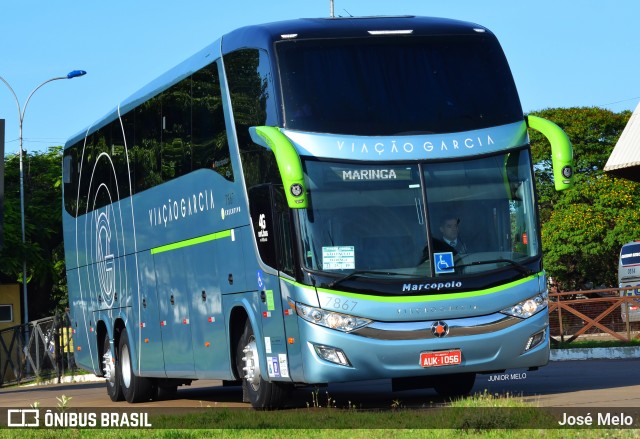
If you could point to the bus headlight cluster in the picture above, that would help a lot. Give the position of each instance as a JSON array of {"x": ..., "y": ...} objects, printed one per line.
[
  {"x": 330, "y": 319},
  {"x": 529, "y": 307}
]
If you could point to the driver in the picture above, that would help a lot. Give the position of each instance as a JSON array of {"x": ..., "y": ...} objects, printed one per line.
[{"x": 451, "y": 236}]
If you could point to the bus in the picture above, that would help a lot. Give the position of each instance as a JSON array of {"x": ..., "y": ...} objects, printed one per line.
[
  {"x": 629, "y": 276},
  {"x": 268, "y": 213}
]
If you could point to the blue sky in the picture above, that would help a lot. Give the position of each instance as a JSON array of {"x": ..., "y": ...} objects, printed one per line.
[{"x": 563, "y": 53}]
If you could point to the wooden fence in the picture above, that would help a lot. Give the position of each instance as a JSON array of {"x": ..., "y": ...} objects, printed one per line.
[{"x": 611, "y": 313}]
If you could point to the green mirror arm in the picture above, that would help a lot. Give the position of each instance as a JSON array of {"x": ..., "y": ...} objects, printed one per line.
[
  {"x": 288, "y": 160},
  {"x": 561, "y": 150}
]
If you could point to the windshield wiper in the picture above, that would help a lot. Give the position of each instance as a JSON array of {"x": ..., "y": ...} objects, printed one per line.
[
  {"x": 358, "y": 273},
  {"x": 518, "y": 266}
]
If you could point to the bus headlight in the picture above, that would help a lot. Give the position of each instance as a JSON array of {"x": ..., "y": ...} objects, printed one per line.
[
  {"x": 330, "y": 319},
  {"x": 529, "y": 307}
]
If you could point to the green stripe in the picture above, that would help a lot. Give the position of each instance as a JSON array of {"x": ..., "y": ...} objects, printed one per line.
[
  {"x": 429, "y": 298},
  {"x": 190, "y": 242}
]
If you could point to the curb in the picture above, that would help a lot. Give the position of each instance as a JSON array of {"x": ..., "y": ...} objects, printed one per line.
[
  {"x": 85, "y": 378},
  {"x": 594, "y": 354}
]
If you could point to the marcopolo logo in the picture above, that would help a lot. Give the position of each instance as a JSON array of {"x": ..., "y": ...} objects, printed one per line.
[{"x": 431, "y": 286}]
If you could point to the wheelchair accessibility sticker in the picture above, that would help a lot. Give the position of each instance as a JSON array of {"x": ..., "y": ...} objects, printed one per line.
[{"x": 444, "y": 262}]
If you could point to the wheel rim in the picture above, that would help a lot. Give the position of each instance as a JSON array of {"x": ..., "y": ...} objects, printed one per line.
[
  {"x": 109, "y": 368},
  {"x": 125, "y": 366},
  {"x": 251, "y": 364}
]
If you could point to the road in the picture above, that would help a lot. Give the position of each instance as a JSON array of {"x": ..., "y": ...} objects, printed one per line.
[{"x": 594, "y": 383}]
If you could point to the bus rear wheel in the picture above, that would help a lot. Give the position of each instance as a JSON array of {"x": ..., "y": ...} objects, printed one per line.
[
  {"x": 111, "y": 372},
  {"x": 262, "y": 394},
  {"x": 455, "y": 385},
  {"x": 134, "y": 388}
]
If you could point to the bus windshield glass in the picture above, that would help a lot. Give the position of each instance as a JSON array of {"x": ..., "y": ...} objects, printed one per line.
[
  {"x": 471, "y": 217},
  {"x": 392, "y": 86}
]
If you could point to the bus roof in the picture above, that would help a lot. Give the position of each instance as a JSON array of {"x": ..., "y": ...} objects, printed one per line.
[
  {"x": 264, "y": 35},
  {"x": 351, "y": 27}
]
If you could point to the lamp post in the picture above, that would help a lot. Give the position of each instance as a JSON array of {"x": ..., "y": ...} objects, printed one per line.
[{"x": 21, "y": 111}]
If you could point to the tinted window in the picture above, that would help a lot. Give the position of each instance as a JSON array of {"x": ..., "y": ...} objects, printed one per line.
[
  {"x": 250, "y": 86},
  {"x": 176, "y": 132},
  {"x": 389, "y": 86}
]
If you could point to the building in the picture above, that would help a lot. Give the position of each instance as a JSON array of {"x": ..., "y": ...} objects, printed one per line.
[
  {"x": 624, "y": 160},
  {"x": 10, "y": 309}
]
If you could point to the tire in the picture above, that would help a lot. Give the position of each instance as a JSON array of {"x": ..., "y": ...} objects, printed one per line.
[
  {"x": 111, "y": 371},
  {"x": 455, "y": 385},
  {"x": 263, "y": 395},
  {"x": 134, "y": 388},
  {"x": 164, "y": 393}
]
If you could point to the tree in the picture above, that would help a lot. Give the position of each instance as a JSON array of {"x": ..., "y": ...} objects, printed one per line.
[
  {"x": 584, "y": 227},
  {"x": 43, "y": 225}
]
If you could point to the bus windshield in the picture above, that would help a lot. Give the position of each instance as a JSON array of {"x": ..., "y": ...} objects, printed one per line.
[
  {"x": 429, "y": 219},
  {"x": 391, "y": 86}
]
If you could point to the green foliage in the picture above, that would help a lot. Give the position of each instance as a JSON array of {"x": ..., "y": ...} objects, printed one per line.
[
  {"x": 47, "y": 289},
  {"x": 584, "y": 227}
]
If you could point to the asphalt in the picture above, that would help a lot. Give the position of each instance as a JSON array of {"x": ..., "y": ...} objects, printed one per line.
[{"x": 618, "y": 353}]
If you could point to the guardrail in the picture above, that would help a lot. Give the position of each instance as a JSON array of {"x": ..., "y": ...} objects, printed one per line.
[
  {"x": 41, "y": 349},
  {"x": 612, "y": 313}
]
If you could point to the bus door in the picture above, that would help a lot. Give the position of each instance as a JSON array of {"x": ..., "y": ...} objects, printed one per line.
[
  {"x": 149, "y": 336},
  {"x": 172, "y": 268},
  {"x": 272, "y": 225}
]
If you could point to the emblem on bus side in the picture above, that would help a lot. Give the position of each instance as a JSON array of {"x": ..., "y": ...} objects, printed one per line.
[
  {"x": 296, "y": 189},
  {"x": 439, "y": 329},
  {"x": 105, "y": 259}
]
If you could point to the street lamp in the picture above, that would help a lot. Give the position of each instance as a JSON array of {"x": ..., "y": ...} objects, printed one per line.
[{"x": 21, "y": 111}]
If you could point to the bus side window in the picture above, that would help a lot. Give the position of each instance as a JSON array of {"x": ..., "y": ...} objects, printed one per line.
[
  {"x": 272, "y": 226},
  {"x": 209, "y": 133}
]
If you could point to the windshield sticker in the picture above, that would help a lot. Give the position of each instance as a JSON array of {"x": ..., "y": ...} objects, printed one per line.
[
  {"x": 444, "y": 262},
  {"x": 339, "y": 258}
]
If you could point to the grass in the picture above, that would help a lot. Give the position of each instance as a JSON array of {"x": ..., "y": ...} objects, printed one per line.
[{"x": 481, "y": 415}]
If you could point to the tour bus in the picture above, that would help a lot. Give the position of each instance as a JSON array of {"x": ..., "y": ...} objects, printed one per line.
[
  {"x": 629, "y": 276},
  {"x": 269, "y": 213}
]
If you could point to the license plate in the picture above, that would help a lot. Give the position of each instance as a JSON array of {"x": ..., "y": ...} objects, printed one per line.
[{"x": 440, "y": 358}]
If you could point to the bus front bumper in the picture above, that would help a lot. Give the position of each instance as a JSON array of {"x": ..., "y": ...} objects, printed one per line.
[{"x": 333, "y": 356}]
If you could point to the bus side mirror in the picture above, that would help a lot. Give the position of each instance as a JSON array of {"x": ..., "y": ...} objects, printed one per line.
[
  {"x": 561, "y": 150},
  {"x": 288, "y": 160}
]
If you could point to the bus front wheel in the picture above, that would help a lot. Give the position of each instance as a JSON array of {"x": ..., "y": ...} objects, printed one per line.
[{"x": 263, "y": 395}]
